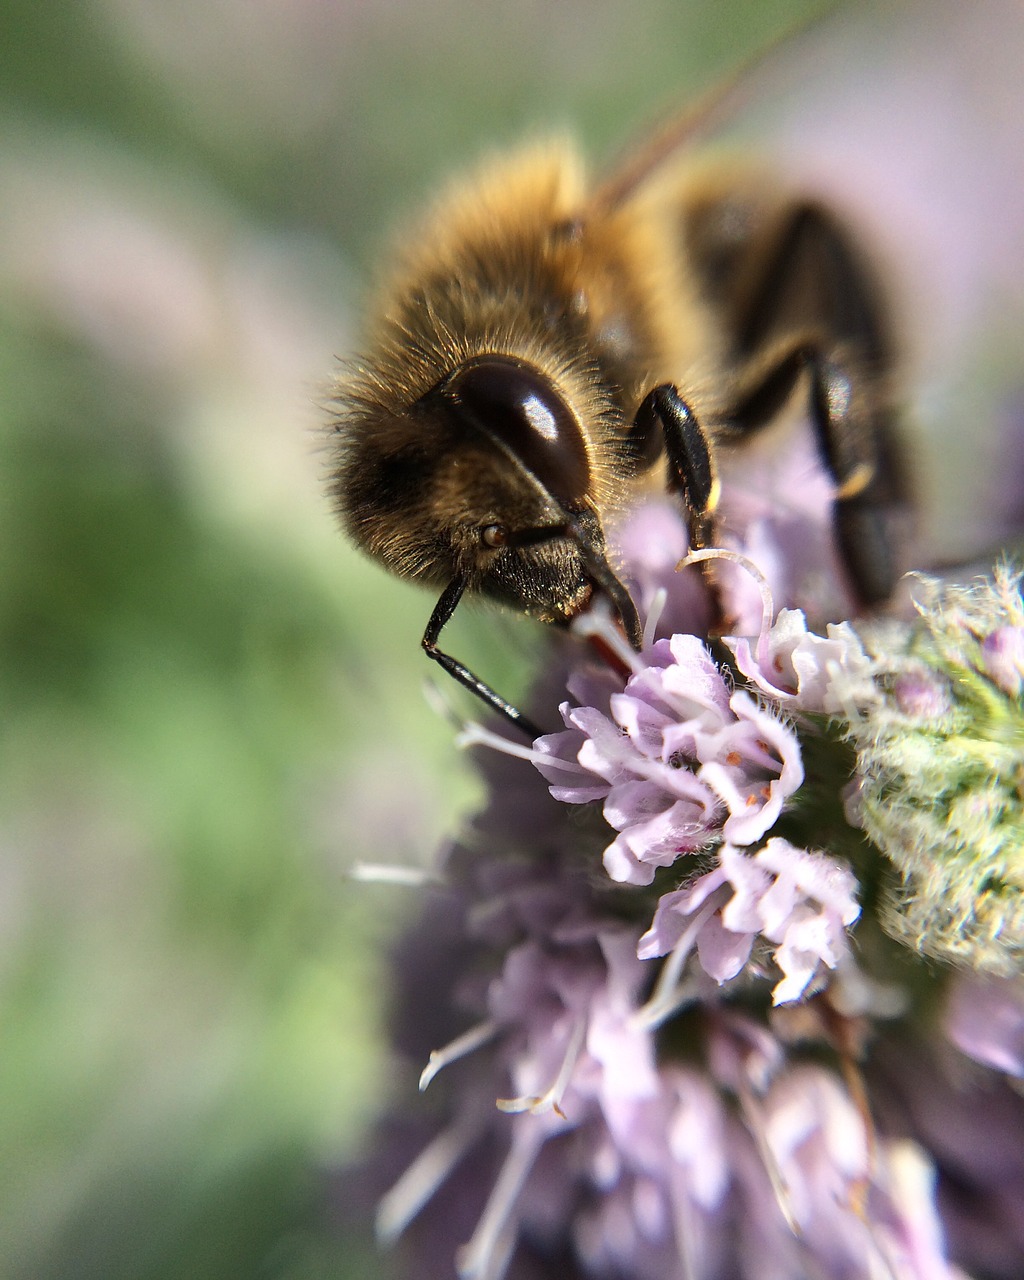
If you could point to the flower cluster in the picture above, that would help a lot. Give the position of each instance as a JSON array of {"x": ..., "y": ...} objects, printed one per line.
[
  {"x": 601, "y": 1158},
  {"x": 801, "y": 902},
  {"x": 657, "y": 1007},
  {"x": 679, "y": 760}
]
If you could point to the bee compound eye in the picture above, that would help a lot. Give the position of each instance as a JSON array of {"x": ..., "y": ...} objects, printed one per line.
[
  {"x": 494, "y": 535},
  {"x": 518, "y": 407}
]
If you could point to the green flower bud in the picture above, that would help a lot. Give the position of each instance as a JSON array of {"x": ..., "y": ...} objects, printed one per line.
[{"x": 941, "y": 773}]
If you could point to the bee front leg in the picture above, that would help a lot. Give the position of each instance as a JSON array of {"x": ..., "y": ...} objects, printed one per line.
[
  {"x": 443, "y": 611},
  {"x": 665, "y": 417}
]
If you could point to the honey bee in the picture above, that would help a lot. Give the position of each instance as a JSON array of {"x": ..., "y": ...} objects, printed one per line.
[{"x": 544, "y": 350}]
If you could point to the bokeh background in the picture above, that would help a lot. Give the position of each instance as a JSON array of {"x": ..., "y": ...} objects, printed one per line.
[{"x": 211, "y": 708}]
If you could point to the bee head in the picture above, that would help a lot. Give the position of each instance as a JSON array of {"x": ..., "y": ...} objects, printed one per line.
[{"x": 489, "y": 479}]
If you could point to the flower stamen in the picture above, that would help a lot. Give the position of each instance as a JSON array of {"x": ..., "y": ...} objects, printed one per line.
[
  {"x": 551, "y": 1099},
  {"x": 467, "y": 1043},
  {"x": 758, "y": 1131},
  {"x": 419, "y": 1183},
  {"x": 767, "y": 603},
  {"x": 488, "y": 1251},
  {"x": 474, "y": 734},
  {"x": 669, "y": 994},
  {"x": 658, "y": 602},
  {"x": 597, "y": 622},
  {"x": 393, "y": 873}
]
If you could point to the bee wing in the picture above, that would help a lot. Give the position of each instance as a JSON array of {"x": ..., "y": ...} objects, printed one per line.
[
  {"x": 669, "y": 141},
  {"x": 905, "y": 120}
]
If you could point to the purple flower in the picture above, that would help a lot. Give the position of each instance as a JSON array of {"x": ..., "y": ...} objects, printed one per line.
[
  {"x": 801, "y": 902},
  {"x": 740, "y": 1162},
  {"x": 682, "y": 1064},
  {"x": 830, "y": 674},
  {"x": 680, "y": 761}
]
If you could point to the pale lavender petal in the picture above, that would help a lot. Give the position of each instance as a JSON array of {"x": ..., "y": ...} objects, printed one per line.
[
  {"x": 817, "y": 1139},
  {"x": 606, "y": 751},
  {"x": 778, "y": 736},
  {"x": 985, "y": 1019},
  {"x": 570, "y": 782},
  {"x": 698, "y": 1137},
  {"x": 635, "y": 802},
  {"x": 681, "y": 829},
  {"x": 671, "y": 916},
  {"x": 722, "y": 950},
  {"x": 770, "y": 666},
  {"x": 662, "y": 839},
  {"x": 749, "y": 882},
  {"x": 825, "y": 879},
  {"x": 623, "y": 866},
  {"x": 808, "y": 943},
  {"x": 829, "y": 674},
  {"x": 751, "y": 809},
  {"x": 643, "y": 723},
  {"x": 577, "y": 794}
]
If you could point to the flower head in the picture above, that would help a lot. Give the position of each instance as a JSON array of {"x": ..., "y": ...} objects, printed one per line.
[
  {"x": 680, "y": 760},
  {"x": 665, "y": 1014}
]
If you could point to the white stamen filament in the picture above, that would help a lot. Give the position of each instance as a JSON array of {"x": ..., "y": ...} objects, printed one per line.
[
  {"x": 758, "y": 1131},
  {"x": 669, "y": 994},
  {"x": 440, "y": 703},
  {"x": 658, "y": 601},
  {"x": 684, "y": 1224},
  {"x": 489, "y": 1244},
  {"x": 767, "y": 603},
  {"x": 421, "y": 1180},
  {"x": 501, "y": 1253},
  {"x": 393, "y": 873},
  {"x": 473, "y": 734},
  {"x": 551, "y": 1099},
  {"x": 469, "y": 1041}
]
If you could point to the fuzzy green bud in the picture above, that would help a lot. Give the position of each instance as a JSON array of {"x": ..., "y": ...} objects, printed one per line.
[{"x": 941, "y": 771}]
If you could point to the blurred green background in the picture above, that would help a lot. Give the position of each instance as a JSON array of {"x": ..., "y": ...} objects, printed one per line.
[{"x": 210, "y": 706}]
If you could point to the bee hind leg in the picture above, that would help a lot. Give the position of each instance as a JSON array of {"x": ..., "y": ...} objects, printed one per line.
[
  {"x": 803, "y": 303},
  {"x": 848, "y": 446}
]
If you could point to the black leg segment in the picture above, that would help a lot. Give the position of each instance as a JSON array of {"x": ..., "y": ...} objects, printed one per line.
[
  {"x": 806, "y": 306},
  {"x": 443, "y": 611},
  {"x": 692, "y": 471}
]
